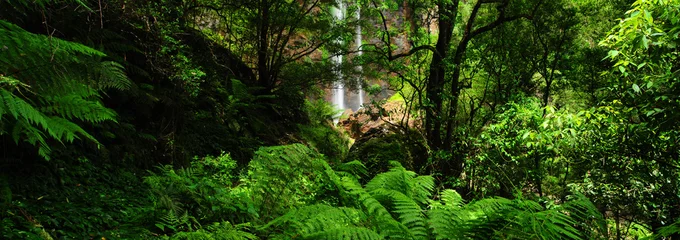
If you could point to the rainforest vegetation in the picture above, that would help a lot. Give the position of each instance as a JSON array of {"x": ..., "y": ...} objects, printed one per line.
[{"x": 339, "y": 119}]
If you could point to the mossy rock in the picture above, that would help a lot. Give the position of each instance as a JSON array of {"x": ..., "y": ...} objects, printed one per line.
[{"x": 377, "y": 147}]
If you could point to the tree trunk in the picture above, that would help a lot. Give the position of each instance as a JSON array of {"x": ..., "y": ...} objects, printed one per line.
[
  {"x": 436, "y": 79},
  {"x": 263, "y": 44}
]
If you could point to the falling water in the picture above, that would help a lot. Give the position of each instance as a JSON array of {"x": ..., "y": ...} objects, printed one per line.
[
  {"x": 339, "y": 88},
  {"x": 357, "y": 42}
]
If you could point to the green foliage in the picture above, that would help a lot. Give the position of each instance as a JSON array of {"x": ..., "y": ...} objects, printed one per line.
[
  {"x": 523, "y": 147},
  {"x": 378, "y": 149},
  {"x": 667, "y": 231},
  {"x": 320, "y": 112},
  {"x": 513, "y": 98},
  {"x": 79, "y": 201},
  {"x": 217, "y": 231},
  {"x": 186, "y": 198},
  {"x": 398, "y": 205},
  {"x": 328, "y": 141},
  {"x": 320, "y": 134},
  {"x": 282, "y": 177},
  {"x": 47, "y": 84}
]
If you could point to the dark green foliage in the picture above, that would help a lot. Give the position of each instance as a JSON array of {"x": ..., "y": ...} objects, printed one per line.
[
  {"x": 282, "y": 177},
  {"x": 185, "y": 199},
  {"x": 320, "y": 112},
  {"x": 512, "y": 102},
  {"x": 319, "y": 133},
  {"x": 80, "y": 201},
  {"x": 667, "y": 231},
  {"x": 398, "y": 205},
  {"x": 217, "y": 231},
  {"x": 47, "y": 84},
  {"x": 377, "y": 148},
  {"x": 326, "y": 140}
]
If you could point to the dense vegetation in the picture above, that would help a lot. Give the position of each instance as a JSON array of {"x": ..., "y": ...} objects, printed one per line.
[{"x": 206, "y": 119}]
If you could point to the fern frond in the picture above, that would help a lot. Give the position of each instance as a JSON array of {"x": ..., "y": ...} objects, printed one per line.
[
  {"x": 62, "y": 129},
  {"x": 62, "y": 80},
  {"x": 354, "y": 167},
  {"x": 20, "y": 109},
  {"x": 23, "y": 43},
  {"x": 112, "y": 75},
  {"x": 408, "y": 211},
  {"x": 666, "y": 231},
  {"x": 75, "y": 107},
  {"x": 345, "y": 233},
  {"x": 388, "y": 226}
]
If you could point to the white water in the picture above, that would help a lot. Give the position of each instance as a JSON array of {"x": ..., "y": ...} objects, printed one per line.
[
  {"x": 357, "y": 42},
  {"x": 356, "y": 101},
  {"x": 339, "y": 89}
]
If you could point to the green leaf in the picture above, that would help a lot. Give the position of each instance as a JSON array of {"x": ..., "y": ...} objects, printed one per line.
[
  {"x": 636, "y": 88},
  {"x": 613, "y": 53},
  {"x": 526, "y": 134}
]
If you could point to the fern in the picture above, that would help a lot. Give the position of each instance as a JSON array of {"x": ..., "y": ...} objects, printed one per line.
[
  {"x": 349, "y": 233},
  {"x": 284, "y": 177},
  {"x": 75, "y": 107},
  {"x": 44, "y": 3},
  {"x": 172, "y": 221},
  {"x": 667, "y": 231},
  {"x": 398, "y": 205},
  {"x": 499, "y": 218},
  {"x": 46, "y": 84},
  {"x": 218, "y": 231}
]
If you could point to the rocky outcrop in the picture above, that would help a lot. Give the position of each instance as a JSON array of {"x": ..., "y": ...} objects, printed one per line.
[
  {"x": 389, "y": 117},
  {"x": 382, "y": 135}
]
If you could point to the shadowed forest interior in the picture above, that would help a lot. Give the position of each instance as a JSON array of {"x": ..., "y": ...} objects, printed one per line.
[{"x": 340, "y": 119}]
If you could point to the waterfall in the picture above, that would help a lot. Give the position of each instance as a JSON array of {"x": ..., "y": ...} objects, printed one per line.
[
  {"x": 357, "y": 42},
  {"x": 339, "y": 88},
  {"x": 355, "y": 101}
]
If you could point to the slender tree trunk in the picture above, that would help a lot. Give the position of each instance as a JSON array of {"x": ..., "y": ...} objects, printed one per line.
[
  {"x": 262, "y": 68},
  {"x": 436, "y": 79},
  {"x": 546, "y": 95}
]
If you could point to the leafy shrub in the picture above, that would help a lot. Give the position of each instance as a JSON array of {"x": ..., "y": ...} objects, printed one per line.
[
  {"x": 320, "y": 111},
  {"x": 328, "y": 141},
  {"x": 186, "y": 198},
  {"x": 84, "y": 201},
  {"x": 378, "y": 149},
  {"x": 217, "y": 231},
  {"x": 281, "y": 177}
]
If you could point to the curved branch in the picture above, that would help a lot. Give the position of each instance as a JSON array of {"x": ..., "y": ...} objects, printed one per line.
[{"x": 387, "y": 40}]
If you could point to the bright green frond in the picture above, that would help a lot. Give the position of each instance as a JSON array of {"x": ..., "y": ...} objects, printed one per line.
[{"x": 345, "y": 233}]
